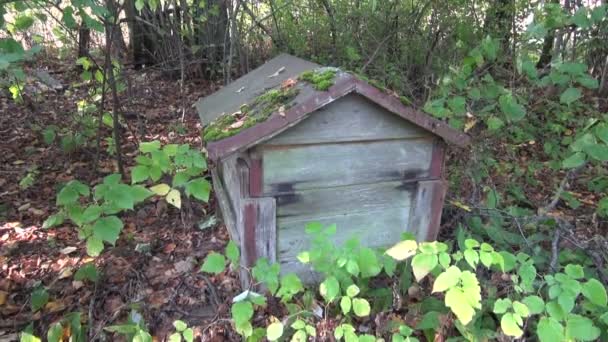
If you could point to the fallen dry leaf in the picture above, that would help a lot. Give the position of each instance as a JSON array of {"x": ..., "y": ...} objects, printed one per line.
[{"x": 3, "y": 295}]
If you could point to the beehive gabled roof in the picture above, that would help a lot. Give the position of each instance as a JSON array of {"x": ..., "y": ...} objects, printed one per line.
[
  {"x": 282, "y": 68},
  {"x": 245, "y": 89}
]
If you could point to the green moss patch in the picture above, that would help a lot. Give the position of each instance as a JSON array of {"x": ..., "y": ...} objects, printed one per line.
[
  {"x": 249, "y": 115},
  {"x": 320, "y": 79}
]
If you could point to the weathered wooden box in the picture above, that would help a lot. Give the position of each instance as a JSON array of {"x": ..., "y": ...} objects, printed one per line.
[{"x": 352, "y": 155}]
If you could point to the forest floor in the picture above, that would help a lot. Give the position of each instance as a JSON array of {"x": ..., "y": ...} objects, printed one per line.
[
  {"x": 154, "y": 267},
  {"x": 163, "y": 281}
]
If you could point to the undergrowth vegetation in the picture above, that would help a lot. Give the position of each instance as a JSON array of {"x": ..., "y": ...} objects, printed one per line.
[{"x": 488, "y": 293}]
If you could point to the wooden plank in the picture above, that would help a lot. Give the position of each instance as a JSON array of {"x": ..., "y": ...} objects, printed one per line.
[
  {"x": 310, "y": 204},
  {"x": 351, "y": 118},
  {"x": 259, "y": 230},
  {"x": 235, "y": 175},
  {"x": 374, "y": 228},
  {"x": 299, "y": 167},
  {"x": 426, "y": 211},
  {"x": 226, "y": 209}
]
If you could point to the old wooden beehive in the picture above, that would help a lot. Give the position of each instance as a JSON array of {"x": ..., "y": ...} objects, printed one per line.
[{"x": 293, "y": 143}]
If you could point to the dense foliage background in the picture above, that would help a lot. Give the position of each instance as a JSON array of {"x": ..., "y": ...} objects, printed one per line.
[{"x": 98, "y": 136}]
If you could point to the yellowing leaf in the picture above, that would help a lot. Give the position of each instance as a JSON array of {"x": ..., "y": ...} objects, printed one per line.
[
  {"x": 174, "y": 198},
  {"x": 403, "y": 250},
  {"x": 461, "y": 205},
  {"x": 160, "y": 189}
]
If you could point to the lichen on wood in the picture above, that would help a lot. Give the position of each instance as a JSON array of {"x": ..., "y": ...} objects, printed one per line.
[
  {"x": 321, "y": 79},
  {"x": 249, "y": 115}
]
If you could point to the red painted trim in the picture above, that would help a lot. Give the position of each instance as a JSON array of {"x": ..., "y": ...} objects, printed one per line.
[
  {"x": 439, "y": 190},
  {"x": 346, "y": 84},
  {"x": 437, "y": 160},
  {"x": 249, "y": 244},
  {"x": 256, "y": 176}
]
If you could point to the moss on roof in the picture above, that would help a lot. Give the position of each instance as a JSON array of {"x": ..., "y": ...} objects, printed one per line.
[
  {"x": 321, "y": 79},
  {"x": 249, "y": 115},
  {"x": 264, "y": 105}
]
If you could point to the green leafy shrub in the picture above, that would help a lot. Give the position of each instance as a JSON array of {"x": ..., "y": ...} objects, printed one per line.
[
  {"x": 95, "y": 212},
  {"x": 562, "y": 306}
]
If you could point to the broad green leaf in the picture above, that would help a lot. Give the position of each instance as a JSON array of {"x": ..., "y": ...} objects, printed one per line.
[
  {"x": 570, "y": 95},
  {"x": 361, "y": 307},
  {"x": 290, "y": 286},
  {"x": 200, "y": 188},
  {"x": 274, "y": 331},
  {"x": 108, "y": 229},
  {"x": 242, "y": 312},
  {"x": 494, "y": 123},
  {"x": 180, "y": 325},
  {"x": 139, "y": 193},
  {"x": 329, "y": 289},
  {"x": 28, "y": 337},
  {"x": 458, "y": 302},
  {"x": 345, "y": 304},
  {"x": 91, "y": 213},
  {"x": 595, "y": 292},
  {"x": 233, "y": 253},
  {"x": 94, "y": 246},
  {"x": 512, "y": 110},
  {"x": 174, "y": 198},
  {"x": 509, "y": 325},
  {"x": 598, "y": 152},
  {"x": 161, "y": 189},
  {"x": 471, "y": 257},
  {"x": 120, "y": 195},
  {"x": 55, "y": 333},
  {"x": 502, "y": 305},
  {"x": 23, "y": 22},
  {"x": 214, "y": 263},
  {"x": 53, "y": 220},
  {"x": 403, "y": 250},
  {"x": 601, "y": 131},
  {"x": 581, "y": 328},
  {"x": 68, "y": 18},
  {"x": 180, "y": 179},
  {"x": 448, "y": 279},
  {"x": 352, "y": 290},
  {"x": 188, "y": 335},
  {"x": 87, "y": 272},
  {"x": 139, "y": 5},
  {"x": 422, "y": 264},
  {"x": 149, "y": 147},
  {"x": 139, "y": 174},
  {"x": 368, "y": 263},
  {"x": 535, "y": 304},
  {"x": 39, "y": 298},
  {"x": 574, "y": 271},
  {"x": 175, "y": 337},
  {"x": 521, "y": 309},
  {"x": 574, "y": 160}
]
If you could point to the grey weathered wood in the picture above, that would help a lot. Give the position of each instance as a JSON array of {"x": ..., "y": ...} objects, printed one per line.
[
  {"x": 300, "y": 167},
  {"x": 235, "y": 178},
  {"x": 310, "y": 204},
  {"x": 426, "y": 209},
  {"x": 243, "y": 90},
  {"x": 227, "y": 211},
  {"x": 351, "y": 118},
  {"x": 374, "y": 228},
  {"x": 264, "y": 234}
]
